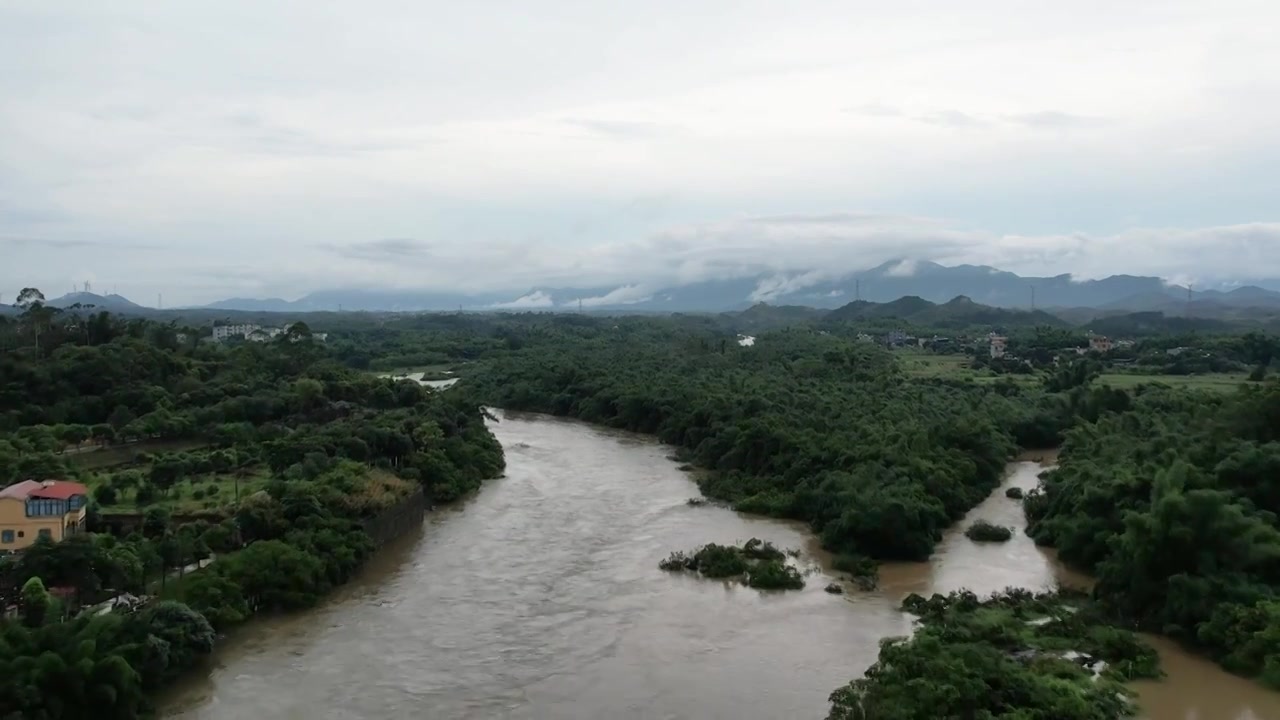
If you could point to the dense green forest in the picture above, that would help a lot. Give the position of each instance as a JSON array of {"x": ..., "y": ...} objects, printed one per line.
[{"x": 333, "y": 449}]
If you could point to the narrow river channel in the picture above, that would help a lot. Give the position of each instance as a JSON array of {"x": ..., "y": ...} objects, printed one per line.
[{"x": 540, "y": 597}]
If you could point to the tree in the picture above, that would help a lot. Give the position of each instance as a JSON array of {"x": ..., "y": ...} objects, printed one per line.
[
  {"x": 275, "y": 575},
  {"x": 120, "y": 418},
  {"x": 102, "y": 433},
  {"x": 105, "y": 495},
  {"x": 36, "y": 602},
  {"x": 29, "y": 298},
  {"x": 155, "y": 521},
  {"x": 299, "y": 330},
  {"x": 184, "y": 633},
  {"x": 35, "y": 313},
  {"x": 166, "y": 471},
  {"x": 217, "y": 596}
]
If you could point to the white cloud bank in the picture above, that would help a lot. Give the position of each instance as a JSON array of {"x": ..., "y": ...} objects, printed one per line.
[
  {"x": 532, "y": 301},
  {"x": 625, "y": 295}
]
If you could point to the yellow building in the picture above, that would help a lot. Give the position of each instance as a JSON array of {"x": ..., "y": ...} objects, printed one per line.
[{"x": 31, "y": 509}]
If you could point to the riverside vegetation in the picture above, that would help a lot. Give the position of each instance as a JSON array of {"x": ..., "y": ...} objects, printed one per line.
[
  {"x": 1158, "y": 488},
  {"x": 1014, "y": 655},
  {"x": 335, "y": 446}
]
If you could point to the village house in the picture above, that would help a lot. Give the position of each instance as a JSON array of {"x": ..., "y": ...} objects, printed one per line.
[
  {"x": 998, "y": 343},
  {"x": 33, "y": 509}
]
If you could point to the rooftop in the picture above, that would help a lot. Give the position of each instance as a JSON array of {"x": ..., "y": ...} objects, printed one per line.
[{"x": 46, "y": 490}]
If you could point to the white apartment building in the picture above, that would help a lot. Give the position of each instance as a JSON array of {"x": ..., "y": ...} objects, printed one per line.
[
  {"x": 256, "y": 333},
  {"x": 222, "y": 332}
]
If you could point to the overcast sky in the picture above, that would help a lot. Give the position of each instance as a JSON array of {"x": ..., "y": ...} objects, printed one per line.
[{"x": 259, "y": 148}]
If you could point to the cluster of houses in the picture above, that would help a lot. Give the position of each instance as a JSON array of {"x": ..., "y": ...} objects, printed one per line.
[
  {"x": 255, "y": 333},
  {"x": 998, "y": 345},
  {"x": 900, "y": 339}
]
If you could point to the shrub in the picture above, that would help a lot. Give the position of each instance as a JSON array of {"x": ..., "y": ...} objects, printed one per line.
[
  {"x": 983, "y": 531},
  {"x": 756, "y": 549},
  {"x": 677, "y": 561},
  {"x": 719, "y": 561},
  {"x": 774, "y": 575}
]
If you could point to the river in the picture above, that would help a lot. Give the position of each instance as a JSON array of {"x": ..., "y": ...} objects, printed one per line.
[{"x": 540, "y": 597}]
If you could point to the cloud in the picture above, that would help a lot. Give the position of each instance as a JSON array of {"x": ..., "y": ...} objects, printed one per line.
[
  {"x": 73, "y": 243},
  {"x": 386, "y": 250},
  {"x": 952, "y": 118},
  {"x": 625, "y": 295},
  {"x": 904, "y": 268},
  {"x": 876, "y": 110},
  {"x": 621, "y": 129},
  {"x": 1054, "y": 120},
  {"x": 532, "y": 301}
]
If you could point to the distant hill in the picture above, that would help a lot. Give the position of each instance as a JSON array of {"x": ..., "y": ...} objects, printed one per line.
[
  {"x": 763, "y": 316},
  {"x": 956, "y": 314},
  {"x": 251, "y": 305},
  {"x": 113, "y": 303},
  {"x": 1155, "y": 323}
]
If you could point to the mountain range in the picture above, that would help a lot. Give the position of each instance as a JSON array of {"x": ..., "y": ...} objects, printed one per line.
[{"x": 890, "y": 281}]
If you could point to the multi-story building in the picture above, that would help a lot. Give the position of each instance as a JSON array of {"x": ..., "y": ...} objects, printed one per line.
[
  {"x": 222, "y": 332},
  {"x": 31, "y": 509},
  {"x": 1099, "y": 343}
]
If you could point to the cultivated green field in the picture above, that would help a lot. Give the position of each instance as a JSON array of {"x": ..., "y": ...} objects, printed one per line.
[
  {"x": 929, "y": 365},
  {"x": 1221, "y": 382}
]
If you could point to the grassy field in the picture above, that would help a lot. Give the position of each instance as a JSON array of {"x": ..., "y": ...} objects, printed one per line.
[
  {"x": 955, "y": 367},
  {"x": 197, "y": 492},
  {"x": 929, "y": 365}
]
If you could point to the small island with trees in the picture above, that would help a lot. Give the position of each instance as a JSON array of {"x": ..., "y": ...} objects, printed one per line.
[
  {"x": 983, "y": 531},
  {"x": 755, "y": 563}
]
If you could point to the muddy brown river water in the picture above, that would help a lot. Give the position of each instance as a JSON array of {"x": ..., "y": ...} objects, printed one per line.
[{"x": 540, "y": 597}]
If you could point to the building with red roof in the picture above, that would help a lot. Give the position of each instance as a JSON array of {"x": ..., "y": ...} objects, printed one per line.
[{"x": 33, "y": 509}]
